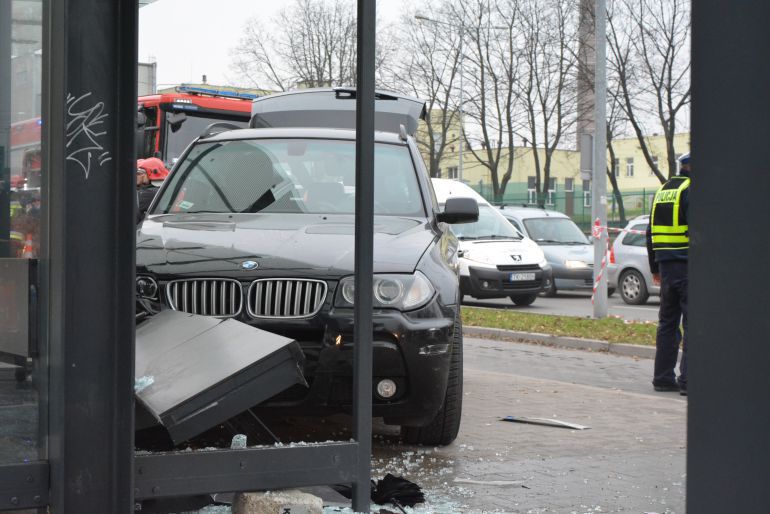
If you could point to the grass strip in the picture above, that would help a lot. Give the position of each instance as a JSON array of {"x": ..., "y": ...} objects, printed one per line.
[{"x": 612, "y": 330}]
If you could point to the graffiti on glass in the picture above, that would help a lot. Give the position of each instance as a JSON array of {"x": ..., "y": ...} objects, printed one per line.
[{"x": 85, "y": 132}]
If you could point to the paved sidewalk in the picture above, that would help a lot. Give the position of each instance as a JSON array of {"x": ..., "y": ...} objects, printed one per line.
[{"x": 631, "y": 460}]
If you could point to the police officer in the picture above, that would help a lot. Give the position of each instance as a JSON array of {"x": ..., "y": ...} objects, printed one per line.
[{"x": 668, "y": 240}]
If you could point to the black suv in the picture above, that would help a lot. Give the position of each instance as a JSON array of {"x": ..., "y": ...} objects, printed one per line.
[{"x": 258, "y": 225}]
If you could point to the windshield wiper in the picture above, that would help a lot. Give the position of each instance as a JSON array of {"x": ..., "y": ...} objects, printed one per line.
[
  {"x": 494, "y": 236},
  {"x": 466, "y": 238},
  {"x": 262, "y": 202},
  {"x": 547, "y": 241}
]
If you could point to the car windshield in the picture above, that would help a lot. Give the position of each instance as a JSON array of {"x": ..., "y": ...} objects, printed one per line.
[
  {"x": 491, "y": 225},
  {"x": 554, "y": 230},
  {"x": 288, "y": 176}
]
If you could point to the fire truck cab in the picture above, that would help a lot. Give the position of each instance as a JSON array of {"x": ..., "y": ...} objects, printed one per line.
[{"x": 168, "y": 122}]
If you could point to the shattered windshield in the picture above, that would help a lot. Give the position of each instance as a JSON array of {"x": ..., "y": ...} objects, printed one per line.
[{"x": 288, "y": 176}]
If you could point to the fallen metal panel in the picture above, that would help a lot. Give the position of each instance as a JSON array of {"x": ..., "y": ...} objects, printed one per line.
[
  {"x": 24, "y": 486},
  {"x": 184, "y": 473},
  {"x": 193, "y": 372}
]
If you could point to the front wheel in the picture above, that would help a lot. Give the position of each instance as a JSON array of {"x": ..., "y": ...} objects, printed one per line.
[
  {"x": 443, "y": 428},
  {"x": 633, "y": 288},
  {"x": 523, "y": 300}
]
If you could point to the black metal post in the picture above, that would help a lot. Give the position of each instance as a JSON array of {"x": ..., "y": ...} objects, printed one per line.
[
  {"x": 90, "y": 126},
  {"x": 728, "y": 447},
  {"x": 5, "y": 128},
  {"x": 364, "y": 251}
]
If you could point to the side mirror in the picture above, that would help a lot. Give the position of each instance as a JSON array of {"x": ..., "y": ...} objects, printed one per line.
[
  {"x": 175, "y": 120},
  {"x": 459, "y": 210}
]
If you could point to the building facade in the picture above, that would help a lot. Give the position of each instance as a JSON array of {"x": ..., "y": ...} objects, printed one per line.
[{"x": 567, "y": 191}]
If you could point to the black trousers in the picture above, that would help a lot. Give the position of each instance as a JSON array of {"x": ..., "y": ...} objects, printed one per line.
[{"x": 673, "y": 311}]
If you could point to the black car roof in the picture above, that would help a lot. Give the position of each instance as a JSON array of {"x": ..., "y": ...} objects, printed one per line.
[
  {"x": 335, "y": 108},
  {"x": 297, "y": 133}
]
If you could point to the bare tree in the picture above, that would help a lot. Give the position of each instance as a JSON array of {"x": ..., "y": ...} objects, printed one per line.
[
  {"x": 648, "y": 55},
  {"x": 492, "y": 73},
  {"x": 315, "y": 46},
  {"x": 430, "y": 70},
  {"x": 548, "y": 87},
  {"x": 615, "y": 122}
]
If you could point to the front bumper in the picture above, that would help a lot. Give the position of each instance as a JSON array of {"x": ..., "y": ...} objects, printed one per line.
[
  {"x": 412, "y": 349},
  {"x": 571, "y": 278},
  {"x": 496, "y": 282}
]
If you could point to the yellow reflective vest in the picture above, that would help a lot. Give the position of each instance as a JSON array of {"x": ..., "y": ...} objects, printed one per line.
[{"x": 669, "y": 232}]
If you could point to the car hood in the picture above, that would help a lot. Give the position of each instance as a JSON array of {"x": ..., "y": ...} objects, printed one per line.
[
  {"x": 506, "y": 251},
  {"x": 300, "y": 244},
  {"x": 558, "y": 253}
]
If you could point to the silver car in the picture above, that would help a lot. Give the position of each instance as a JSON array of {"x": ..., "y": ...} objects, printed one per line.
[
  {"x": 629, "y": 270},
  {"x": 566, "y": 248}
]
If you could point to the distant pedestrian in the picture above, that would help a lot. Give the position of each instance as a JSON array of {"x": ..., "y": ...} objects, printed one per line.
[
  {"x": 150, "y": 174},
  {"x": 668, "y": 241}
]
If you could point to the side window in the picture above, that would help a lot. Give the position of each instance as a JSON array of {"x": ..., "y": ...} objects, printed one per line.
[
  {"x": 635, "y": 239},
  {"x": 516, "y": 224}
]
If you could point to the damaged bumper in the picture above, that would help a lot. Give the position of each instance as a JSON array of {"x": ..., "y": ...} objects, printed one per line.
[{"x": 410, "y": 349}]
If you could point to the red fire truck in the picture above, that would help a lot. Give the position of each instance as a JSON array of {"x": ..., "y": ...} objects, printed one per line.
[{"x": 168, "y": 122}]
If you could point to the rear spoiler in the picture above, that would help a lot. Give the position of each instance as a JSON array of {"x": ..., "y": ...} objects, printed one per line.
[{"x": 335, "y": 108}]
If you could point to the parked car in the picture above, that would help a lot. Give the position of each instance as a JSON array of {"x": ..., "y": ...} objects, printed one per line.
[
  {"x": 496, "y": 260},
  {"x": 258, "y": 225},
  {"x": 567, "y": 250},
  {"x": 629, "y": 269}
]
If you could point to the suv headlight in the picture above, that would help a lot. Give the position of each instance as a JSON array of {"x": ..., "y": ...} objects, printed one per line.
[{"x": 403, "y": 292}]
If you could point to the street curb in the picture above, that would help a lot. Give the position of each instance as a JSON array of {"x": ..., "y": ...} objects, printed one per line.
[{"x": 627, "y": 350}]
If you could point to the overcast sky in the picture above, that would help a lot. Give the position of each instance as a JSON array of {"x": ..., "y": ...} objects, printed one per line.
[{"x": 190, "y": 38}]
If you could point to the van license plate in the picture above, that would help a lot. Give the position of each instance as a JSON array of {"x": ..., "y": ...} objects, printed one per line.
[{"x": 520, "y": 277}]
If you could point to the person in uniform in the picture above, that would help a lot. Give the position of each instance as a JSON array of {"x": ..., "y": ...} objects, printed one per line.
[
  {"x": 150, "y": 174},
  {"x": 668, "y": 241}
]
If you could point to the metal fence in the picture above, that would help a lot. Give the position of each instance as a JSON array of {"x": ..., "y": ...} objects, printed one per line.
[{"x": 577, "y": 204}]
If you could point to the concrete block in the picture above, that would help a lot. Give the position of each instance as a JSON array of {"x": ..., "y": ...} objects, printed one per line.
[{"x": 288, "y": 501}]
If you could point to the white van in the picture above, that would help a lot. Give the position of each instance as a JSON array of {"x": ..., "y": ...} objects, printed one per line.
[{"x": 496, "y": 260}]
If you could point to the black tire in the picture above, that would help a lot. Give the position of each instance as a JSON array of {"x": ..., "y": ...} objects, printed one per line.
[
  {"x": 523, "y": 300},
  {"x": 633, "y": 288},
  {"x": 549, "y": 291},
  {"x": 443, "y": 428},
  {"x": 610, "y": 291}
]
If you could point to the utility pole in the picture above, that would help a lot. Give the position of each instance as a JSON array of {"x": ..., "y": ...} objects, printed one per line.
[
  {"x": 599, "y": 182},
  {"x": 462, "y": 104}
]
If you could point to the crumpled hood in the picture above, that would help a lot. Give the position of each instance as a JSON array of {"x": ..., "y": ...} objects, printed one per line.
[{"x": 217, "y": 244}]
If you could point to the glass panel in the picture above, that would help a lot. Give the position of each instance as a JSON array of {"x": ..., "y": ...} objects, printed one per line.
[{"x": 21, "y": 173}]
